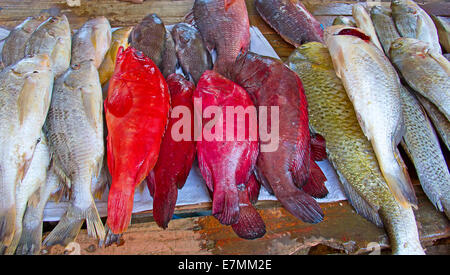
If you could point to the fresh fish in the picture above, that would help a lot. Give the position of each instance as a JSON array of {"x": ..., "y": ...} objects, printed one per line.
[
  {"x": 332, "y": 115},
  {"x": 291, "y": 20},
  {"x": 169, "y": 63},
  {"x": 119, "y": 39},
  {"x": 177, "y": 151},
  {"x": 14, "y": 47},
  {"x": 53, "y": 38},
  {"x": 227, "y": 161},
  {"x": 91, "y": 41},
  {"x": 373, "y": 87},
  {"x": 136, "y": 109},
  {"x": 31, "y": 239},
  {"x": 422, "y": 145},
  {"x": 384, "y": 26},
  {"x": 74, "y": 128},
  {"x": 440, "y": 122},
  {"x": 344, "y": 20},
  {"x": 34, "y": 178},
  {"x": 224, "y": 26},
  {"x": 286, "y": 164},
  {"x": 364, "y": 23},
  {"x": 25, "y": 90},
  {"x": 425, "y": 70},
  {"x": 443, "y": 28},
  {"x": 413, "y": 22},
  {"x": 192, "y": 55}
]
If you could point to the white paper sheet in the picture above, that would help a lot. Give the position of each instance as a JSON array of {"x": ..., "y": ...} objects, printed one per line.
[{"x": 195, "y": 190}]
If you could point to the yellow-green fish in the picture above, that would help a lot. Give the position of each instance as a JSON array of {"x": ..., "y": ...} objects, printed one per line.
[{"x": 331, "y": 114}]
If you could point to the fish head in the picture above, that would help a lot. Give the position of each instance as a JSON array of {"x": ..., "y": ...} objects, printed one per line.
[
  {"x": 33, "y": 65},
  {"x": 408, "y": 47},
  {"x": 56, "y": 25}
]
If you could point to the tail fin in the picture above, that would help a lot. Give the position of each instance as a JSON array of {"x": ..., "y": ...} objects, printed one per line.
[
  {"x": 253, "y": 188},
  {"x": 110, "y": 238},
  {"x": 7, "y": 226},
  {"x": 120, "y": 207},
  {"x": 164, "y": 200},
  {"x": 70, "y": 224},
  {"x": 315, "y": 186},
  {"x": 31, "y": 238},
  {"x": 318, "y": 149},
  {"x": 250, "y": 224},
  {"x": 225, "y": 203}
]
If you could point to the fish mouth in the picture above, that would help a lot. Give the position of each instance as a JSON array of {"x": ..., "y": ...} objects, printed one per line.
[{"x": 354, "y": 32}]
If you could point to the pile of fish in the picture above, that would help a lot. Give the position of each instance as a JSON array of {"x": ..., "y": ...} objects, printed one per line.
[{"x": 107, "y": 110}]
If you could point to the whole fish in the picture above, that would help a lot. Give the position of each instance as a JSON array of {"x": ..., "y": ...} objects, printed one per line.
[
  {"x": 343, "y": 20},
  {"x": 422, "y": 145},
  {"x": 425, "y": 70},
  {"x": 25, "y": 89},
  {"x": 192, "y": 55},
  {"x": 53, "y": 38},
  {"x": 291, "y": 20},
  {"x": 34, "y": 178},
  {"x": 74, "y": 129},
  {"x": 331, "y": 114},
  {"x": 364, "y": 23},
  {"x": 443, "y": 28},
  {"x": 177, "y": 151},
  {"x": 224, "y": 26},
  {"x": 119, "y": 39},
  {"x": 440, "y": 122},
  {"x": 413, "y": 22},
  {"x": 14, "y": 47},
  {"x": 384, "y": 26},
  {"x": 31, "y": 238},
  {"x": 373, "y": 87},
  {"x": 136, "y": 109},
  {"x": 91, "y": 41},
  {"x": 227, "y": 161},
  {"x": 285, "y": 163}
]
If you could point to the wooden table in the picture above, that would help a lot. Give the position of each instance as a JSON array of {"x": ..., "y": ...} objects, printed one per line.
[{"x": 342, "y": 231}]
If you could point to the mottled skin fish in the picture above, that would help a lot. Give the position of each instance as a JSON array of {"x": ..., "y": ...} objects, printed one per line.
[
  {"x": 25, "y": 89},
  {"x": 331, "y": 114},
  {"x": 192, "y": 54},
  {"x": 422, "y": 145},
  {"x": 119, "y": 39},
  {"x": 364, "y": 23},
  {"x": 291, "y": 20},
  {"x": 91, "y": 41},
  {"x": 440, "y": 122},
  {"x": 53, "y": 38},
  {"x": 413, "y": 22},
  {"x": 373, "y": 87},
  {"x": 75, "y": 132},
  {"x": 443, "y": 28},
  {"x": 425, "y": 70},
  {"x": 224, "y": 26},
  {"x": 14, "y": 47},
  {"x": 384, "y": 26}
]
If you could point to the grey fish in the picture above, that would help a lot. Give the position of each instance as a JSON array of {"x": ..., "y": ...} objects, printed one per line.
[
  {"x": 14, "y": 47},
  {"x": 426, "y": 71},
  {"x": 363, "y": 22},
  {"x": 53, "y": 38},
  {"x": 443, "y": 28},
  {"x": 25, "y": 89},
  {"x": 75, "y": 133},
  {"x": 422, "y": 145},
  {"x": 384, "y": 26},
  {"x": 344, "y": 20}
]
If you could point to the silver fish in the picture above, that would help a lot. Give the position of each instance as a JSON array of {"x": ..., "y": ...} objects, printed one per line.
[
  {"x": 364, "y": 22},
  {"x": 384, "y": 26}
]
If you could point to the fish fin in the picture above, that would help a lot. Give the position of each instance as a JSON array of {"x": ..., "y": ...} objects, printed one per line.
[
  {"x": 30, "y": 240},
  {"x": 264, "y": 182},
  {"x": 301, "y": 205},
  {"x": 151, "y": 183},
  {"x": 441, "y": 60},
  {"x": 250, "y": 224},
  {"x": 164, "y": 201},
  {"x": 26, "y": 101},
  {"x": 253, "y": 187},
  {"x": 225, "y": 201},
  {"x": 110, "y": 238},
  {"x": 92, "y": 103},
  {"x": 315, "y": 185},
  {"x": 205, "y": 171},
  {"x": 120, "y": 208},
  {"x": 362, "y": 207},
  {"x": 318, "y": 149},
  {"x": 7, "y": 226},
  {"x": 70, "y": 224}
]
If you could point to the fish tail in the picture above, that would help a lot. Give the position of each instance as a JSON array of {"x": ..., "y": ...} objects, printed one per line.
[
  {"x": 250, "y": 224},
  {"x": 301, "y": 205},
  {"x": 110, "y": 238},
  {"x": 30, "y": 240},
  {"x": 120, "y": 208},
  {"x": 70, "y": 224},
  {"x": 315, "y": 185},
  {"x": 164, "y": 200},
  {"x": 225, "y": 206},
  {"x": 253, "y": 188},
  {"x": 7, "y": 226}
]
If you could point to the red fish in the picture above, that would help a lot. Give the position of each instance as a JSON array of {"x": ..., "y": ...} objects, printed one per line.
[
  {"x": 224, "y": 26},
  {"x": 228, "y": 164},
  {"x": 136, "y": 111},
  {"x": 175, "y": 156},
  {"x": 289, "y": 167}
]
